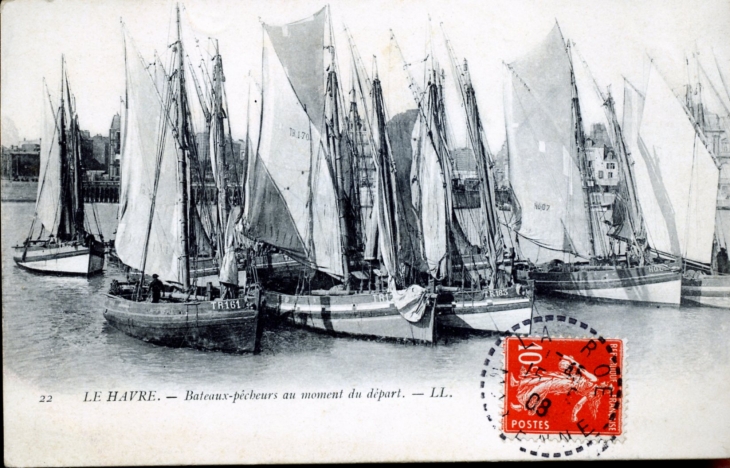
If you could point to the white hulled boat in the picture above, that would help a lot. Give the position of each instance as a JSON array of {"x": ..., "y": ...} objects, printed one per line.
[
  {"x": 580, "y": 248},
  {"x": 476, "y": 292},
  {"x": 299, "y": 199},
  {"x": 64, "y": 244},
  {"x": 680, "y": 174}
]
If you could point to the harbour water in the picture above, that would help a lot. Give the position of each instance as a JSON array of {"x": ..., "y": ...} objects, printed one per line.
[{"x": 54, "y": 333}]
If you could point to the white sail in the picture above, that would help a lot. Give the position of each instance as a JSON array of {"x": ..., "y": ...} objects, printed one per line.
[
  {"x": 592, "y": 108},
  {"x": 543, "y": 165},
  {"x": 593, "y": 112},
  {"x": 148, "y": 137},
  {"x": 681, "y": 171},
  {"x": 326, "y": 235},
  {"x": 48, "y": 203},
  {"x": 292, "y": 201},
  {"x": 429, "y": 197},
  {"x": 649, "y": 188}
]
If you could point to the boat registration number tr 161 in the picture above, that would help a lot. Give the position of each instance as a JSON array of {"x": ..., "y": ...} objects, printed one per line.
[
  {"x": 231, "y": 304},
  {"x": 563, "y": 386}
]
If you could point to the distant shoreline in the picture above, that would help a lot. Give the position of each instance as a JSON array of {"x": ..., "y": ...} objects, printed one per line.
[{"x": 19, "y": 191}]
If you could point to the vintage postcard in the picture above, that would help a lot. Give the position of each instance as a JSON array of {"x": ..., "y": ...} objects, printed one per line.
[{"x": 254, "y": 232}]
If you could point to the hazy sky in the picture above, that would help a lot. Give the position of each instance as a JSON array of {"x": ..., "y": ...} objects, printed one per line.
[{"x": 614, "y": 37}]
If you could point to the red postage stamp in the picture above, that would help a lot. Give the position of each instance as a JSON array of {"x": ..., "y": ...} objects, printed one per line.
[{"x": 563, "y": 386}]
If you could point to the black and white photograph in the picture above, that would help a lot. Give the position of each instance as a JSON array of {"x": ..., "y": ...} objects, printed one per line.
[{"x": 268, "y": 231}]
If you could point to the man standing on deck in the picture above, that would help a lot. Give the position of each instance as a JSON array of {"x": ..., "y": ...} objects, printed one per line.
[
  {"x": 156, "y": 287},
  {"x": 722, "y": 261}
]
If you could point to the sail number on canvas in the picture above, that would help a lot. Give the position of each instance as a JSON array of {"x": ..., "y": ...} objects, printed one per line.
[{"x": 299, "y": 135}]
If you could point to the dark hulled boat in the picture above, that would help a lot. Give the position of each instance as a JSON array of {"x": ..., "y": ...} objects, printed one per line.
[
  {"x": 154, "y": 232},
  {"x": 230, "y": 325}
]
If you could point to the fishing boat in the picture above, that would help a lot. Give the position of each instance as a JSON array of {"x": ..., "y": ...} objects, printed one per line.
[
  {"x": 299, "y": 201},
  {"x": 64, "y": 243},
  {"x": 474, "y": 281},
  {"x": 154, "y": 233},
  {"x": 209, "y": 213},
  {"x": 681, "y": 172},
  {"x": 710, "y": 111},
  {"x": 581, "y": 236}
]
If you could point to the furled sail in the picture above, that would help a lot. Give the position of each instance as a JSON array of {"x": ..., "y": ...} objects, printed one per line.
[
  {"x": 543, "y": 167},
  {"x": 469, "y": 213},
  {"x": 149, "y": 177},
  {"x": 48, "y": 200},
  {"x": 229, "y": 265},
  {"x": 385, "y": 207},
  {"x": 681, "y": 172},
  {"x": 410, "y": 249},
  {"x": 488, "y": 227},
  {"x": 217, "y": 139},
  {"x": 722, "y": 228},
  {"x": 292, "y": 197}
]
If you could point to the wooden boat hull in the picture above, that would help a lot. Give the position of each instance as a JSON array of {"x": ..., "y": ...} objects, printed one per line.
[
  {"x": 489, "y": 310},
  {"x": 366, "y": 315},
  {"x": 709, "y": 290},
  {"x": 657, "y": 283},
  {"x": 67, "y": 259},
  {"x": 220, "y": 325}
]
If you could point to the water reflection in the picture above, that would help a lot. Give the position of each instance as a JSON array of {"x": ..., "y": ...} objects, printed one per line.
[{"x": 54, "y": 333}]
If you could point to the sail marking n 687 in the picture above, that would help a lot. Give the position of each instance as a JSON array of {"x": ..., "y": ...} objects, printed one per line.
[{"x": 543, "y": 165}]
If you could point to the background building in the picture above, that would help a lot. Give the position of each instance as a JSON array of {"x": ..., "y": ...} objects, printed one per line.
[
  {"x": 21, "y": 162},
  {"x": 115, "y": 148}
]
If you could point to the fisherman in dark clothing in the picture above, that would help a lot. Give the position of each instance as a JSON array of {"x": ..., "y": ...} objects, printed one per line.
[
  {"x": 156, "y": 287},
  {"x": 723, "y": 266}
]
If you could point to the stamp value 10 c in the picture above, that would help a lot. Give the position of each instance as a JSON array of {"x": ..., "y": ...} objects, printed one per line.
[{"x": 563, "y": 386}]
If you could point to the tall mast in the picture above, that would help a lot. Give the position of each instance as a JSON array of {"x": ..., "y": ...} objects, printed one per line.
[
  {"x": 386, "y": 180},
  {"x": 182, "y": 170},
  {"x": 493, "y": 242},
  {"x": 242, "y": 182},
  {"x": 361, "y": 84},
  {"x": 637, "y": 223},
  {"x": 65, "y": 226},
  {"x": 334, "y": 139},
  {"x": 357, "y": 155},
  {"x": 580, "y": 149},
  {"x": 436, "y": 136},
  {"x": 722, "y": 76},
  {"x": 77, "y": 206},
  {"x": 412, "y": 84},
  {"x": 220, "y": 140},
  {"x": 635, "y": 217}
]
